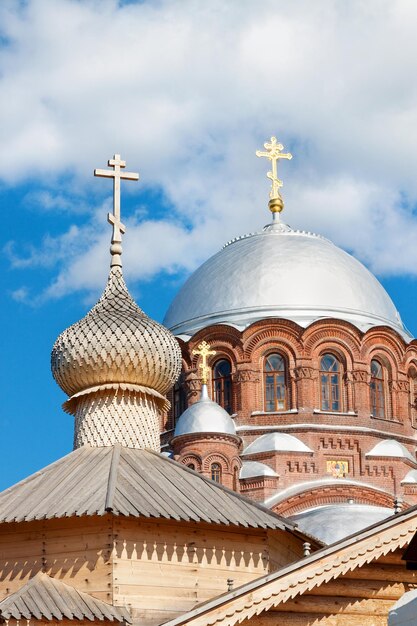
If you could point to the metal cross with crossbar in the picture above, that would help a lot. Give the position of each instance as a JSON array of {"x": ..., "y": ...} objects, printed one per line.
[
  {"x": 274, "y": 153},
  {"x": 204, "y": 351}
]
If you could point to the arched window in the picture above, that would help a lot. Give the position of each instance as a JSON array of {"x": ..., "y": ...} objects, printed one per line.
[
  {"x": 216, "y": 472},
  {"x": 377, "y": 389},
  {"x": 330, "y": 383},
  {"x": 275, "y": 383},
  {"x": 191, "y": 466},
  {"x": 412, "y": 376},
  {"x": 180, "y": 402},
  {"x": 222, "y": 384},
  {"x": 236, "y": 479}
]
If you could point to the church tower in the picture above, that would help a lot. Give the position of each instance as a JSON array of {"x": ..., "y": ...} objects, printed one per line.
[{"x": 116, "y": 364}]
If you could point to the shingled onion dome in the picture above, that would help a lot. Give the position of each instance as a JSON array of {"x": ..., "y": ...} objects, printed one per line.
[{"x": 116, "y": 364}]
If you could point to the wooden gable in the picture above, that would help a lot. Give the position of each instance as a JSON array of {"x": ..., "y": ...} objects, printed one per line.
[{"x": 354, "y": 581}]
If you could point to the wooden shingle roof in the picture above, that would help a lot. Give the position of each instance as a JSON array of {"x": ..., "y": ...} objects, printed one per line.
[
  {"x": 46, "y": 598},
  {"x": 130, "y": 482}
]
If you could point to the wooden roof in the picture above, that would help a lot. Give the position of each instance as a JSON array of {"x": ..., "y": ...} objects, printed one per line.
[
  {"x": 45, "y": 598},
  {"x": 131, "y": 482},
  {"x": 300, "y": 577}
]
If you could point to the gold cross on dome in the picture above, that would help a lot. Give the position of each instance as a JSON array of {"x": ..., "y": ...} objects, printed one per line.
[
  {"x": 114, "y": 218},
  {"x": 204, "y": 351},
  {"x": 273, "y": 152}
]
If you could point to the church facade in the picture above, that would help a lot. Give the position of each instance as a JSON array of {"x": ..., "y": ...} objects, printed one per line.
[{"x": 310, "y": 358}]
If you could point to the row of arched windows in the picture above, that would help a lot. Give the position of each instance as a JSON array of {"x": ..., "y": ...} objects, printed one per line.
[
  {"x": 276, "y": 386},
  {"x": 215, "y": 471}
]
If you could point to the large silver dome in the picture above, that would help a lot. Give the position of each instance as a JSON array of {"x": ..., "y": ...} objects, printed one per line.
[{"x": 280, "y": 272}]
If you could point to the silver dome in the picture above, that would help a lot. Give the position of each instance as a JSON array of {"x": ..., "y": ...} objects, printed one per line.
[
  {"x": 410, "y": 478},
  {"x": 280, "y": 442},
  {"x": 205, "y": 416},
  {"x": 253, "y": 469},
  {"x": 280, "y": 272},
  {"x": 335, "y": 521}
]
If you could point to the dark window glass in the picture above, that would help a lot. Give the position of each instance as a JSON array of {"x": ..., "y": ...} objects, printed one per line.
[
  {"x": 330, "y": 383},
  {"x": 180, "y": 402},
  {"x": 413, "y": 395},
  {"x": 191, "y": 466},
  {"x": 275, "y": 383},
  {"x": 377, "y": 389},
  {"x": 216, "y": 472},
  {"x": 235, "y": 479},
  {"x": 222, "y": 384}
]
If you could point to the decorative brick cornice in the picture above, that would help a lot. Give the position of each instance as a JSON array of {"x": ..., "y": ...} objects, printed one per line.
[
  {"x": 358, "y": 376},
  {"x": 337, "y": 332},
  {"x": 246, "y": 376},
  {"x": 275, "y": 332},
  {"x": 302, "y": 371},
  {"x": 334, "y": 494},
  {"x": 400, "y": 385}
]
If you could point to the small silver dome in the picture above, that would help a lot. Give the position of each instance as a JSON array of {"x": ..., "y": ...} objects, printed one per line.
[
  {"x": 281, "y": 442},
  {"x": 252, "y": 469},
  {"x": 205, "y": 416},
  {"x": 335, "y": 521},
  {"x": 280, "y": 272},
  {"x": 410, "y": 478},
  {"x": 392, "y": 448}
]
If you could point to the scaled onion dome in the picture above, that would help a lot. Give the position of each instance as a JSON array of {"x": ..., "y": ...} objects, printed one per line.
[
  {"x": 116, "y": 342},
  {"x": 116, "y": 364}
]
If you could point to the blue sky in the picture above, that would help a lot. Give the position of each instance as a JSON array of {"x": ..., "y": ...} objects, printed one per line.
[{"x": 186, "y": 91}]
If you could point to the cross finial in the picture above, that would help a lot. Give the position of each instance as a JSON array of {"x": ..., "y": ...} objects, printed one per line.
[
  {"x": 114, "y": 218},
  {"x": 274, "y": 153},
  {"x": 204, "y": 351}
]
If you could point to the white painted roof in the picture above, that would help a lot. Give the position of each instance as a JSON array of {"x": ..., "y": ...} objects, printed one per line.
[
  {"x": 410, "y": 478},
  {"x": 336, "y": 521},
  {"x": 280, "y": 272},
  {"x": 393, "y": 448},
  {"x": 279, "y": 442},
  {"x": 205, "y": 416},
  {"x": 252, "y": 469}
]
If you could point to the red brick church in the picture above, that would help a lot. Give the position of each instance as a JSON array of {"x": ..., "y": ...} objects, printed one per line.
[{"x": 311, "y": 398}]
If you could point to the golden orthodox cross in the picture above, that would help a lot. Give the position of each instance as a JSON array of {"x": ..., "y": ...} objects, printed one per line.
[
  {"x": 114, "y": 218},
  {"x": 204, "y": 351},
  {"x": 274, "y": 153}
]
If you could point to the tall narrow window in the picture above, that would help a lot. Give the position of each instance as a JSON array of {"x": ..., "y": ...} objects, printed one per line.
[
  {"x": 412, "y": 374},
  {"x": 235, "y": 479},
  {"x": 275, "y": 383},
  {"x": 331, "y": 397},
  {"x": 222, "y": 384},
  {"x": 216, "y": 472},
  {"x": 180, "y": 403},
  {"x": 377, "y": 389}
]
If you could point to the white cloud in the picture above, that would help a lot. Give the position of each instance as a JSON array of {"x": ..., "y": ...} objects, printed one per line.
[
  {"x": 21, "y": 294},
  {"x": 186, "y": 91}
]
